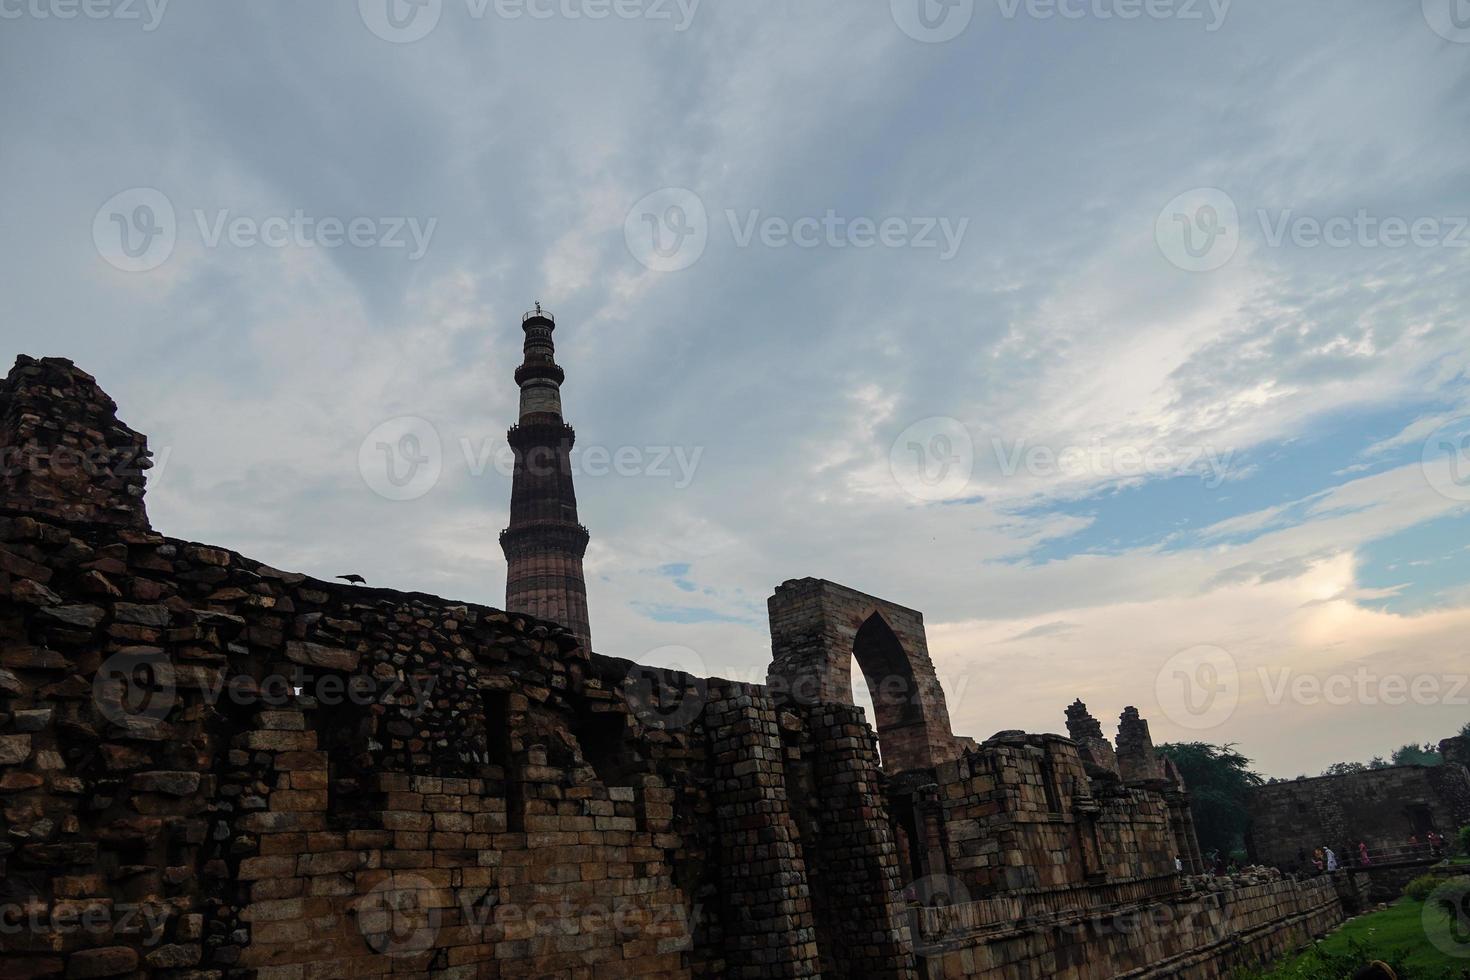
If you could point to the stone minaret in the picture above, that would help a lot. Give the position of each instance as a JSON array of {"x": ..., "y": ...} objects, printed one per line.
[{"x": 544, "y": 544}]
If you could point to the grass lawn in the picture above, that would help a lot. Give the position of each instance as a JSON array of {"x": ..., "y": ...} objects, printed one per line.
[{"x": 1395, "y": 935}]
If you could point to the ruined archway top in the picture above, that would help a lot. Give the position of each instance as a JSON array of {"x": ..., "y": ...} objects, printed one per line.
[{"x": 847, "y": 593}]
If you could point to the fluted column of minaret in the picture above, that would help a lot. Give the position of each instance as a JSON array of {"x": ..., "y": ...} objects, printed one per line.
[{"x": 545, "y": 543}]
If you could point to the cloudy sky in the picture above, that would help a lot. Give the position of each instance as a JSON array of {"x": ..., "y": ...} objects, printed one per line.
[{"x": 1127, "y": 341}]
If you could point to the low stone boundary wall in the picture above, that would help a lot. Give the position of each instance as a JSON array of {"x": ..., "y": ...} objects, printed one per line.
[{"x": 1197, "y": 935}]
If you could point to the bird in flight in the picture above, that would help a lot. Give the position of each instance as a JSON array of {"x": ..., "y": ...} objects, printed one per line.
[{"x": 354, "y": 579}]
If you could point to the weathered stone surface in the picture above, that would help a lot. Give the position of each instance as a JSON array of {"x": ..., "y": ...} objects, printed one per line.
[
  {"x": 317, "y": 655},
  {"x": 109, "y": 961},
  {"x": 14, "y": 749}
]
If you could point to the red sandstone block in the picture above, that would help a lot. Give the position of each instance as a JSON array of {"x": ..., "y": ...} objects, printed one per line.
[
  {"x": 404, "y": 801},
  {"x": 273, "y": 888},
  {"x": 459, "y": 822},
  {"x": 292, "y": 800},
  {"x": 282, "y": 843},
  {"x": 404, "y": 820},
  {"x": 304, "y": 760},
  {"x": 275, "y": 866}
]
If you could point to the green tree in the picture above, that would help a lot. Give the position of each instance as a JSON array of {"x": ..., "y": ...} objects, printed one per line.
[
  {"x": 1417, "y": 755},
  {"x": 1218, "y": 779},
  {"x": 1344, "y": 768}
]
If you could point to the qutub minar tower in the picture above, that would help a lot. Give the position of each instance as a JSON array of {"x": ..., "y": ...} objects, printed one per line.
[{"x": 545, "y": 543}]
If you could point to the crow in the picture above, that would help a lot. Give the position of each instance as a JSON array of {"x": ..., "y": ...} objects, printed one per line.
[{"x": 354, "y": 579}]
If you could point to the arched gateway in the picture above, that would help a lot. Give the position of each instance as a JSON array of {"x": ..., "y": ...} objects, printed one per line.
[{"x": 819, "y": 627}]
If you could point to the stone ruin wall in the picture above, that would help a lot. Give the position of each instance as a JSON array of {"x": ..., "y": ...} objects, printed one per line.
[
  {"x": 210, "y": 768},
  {"x": 1380, "y": 807}
]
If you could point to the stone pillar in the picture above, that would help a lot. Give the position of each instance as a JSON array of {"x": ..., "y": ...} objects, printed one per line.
[
  {"x": 859, "y": 905},
  {"x": 1138, "y": 763},
  {"x": 766, "y": 902},
  {"x": 1196, "y": 857},
  {"x": 1087, "y": 732},
  {"x": 931, "y": 815}
]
